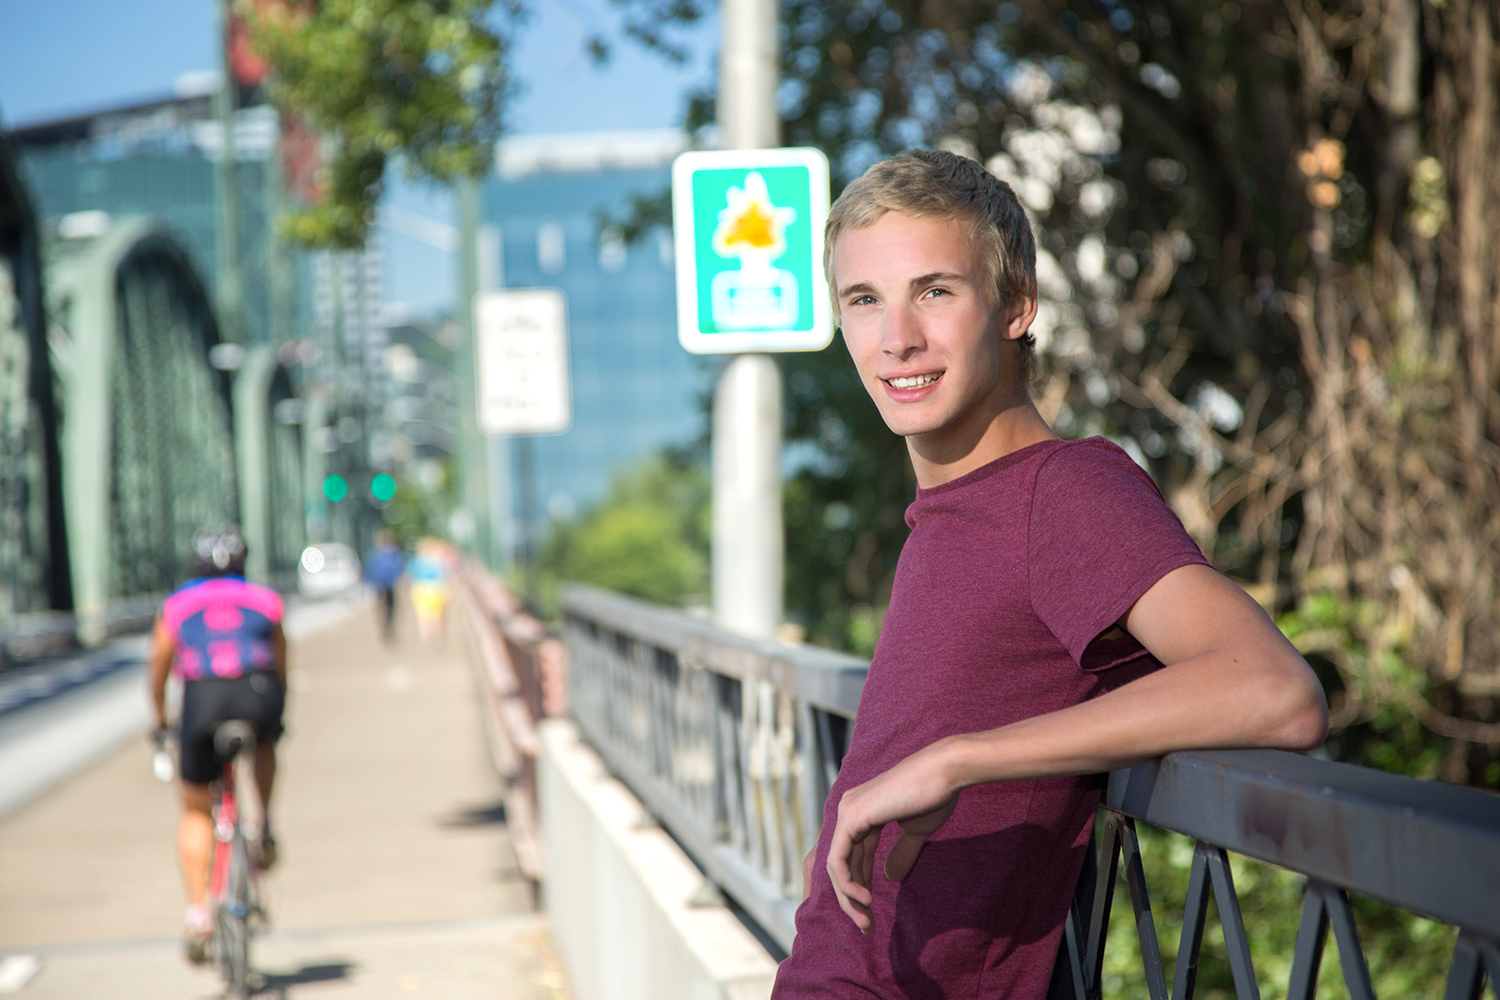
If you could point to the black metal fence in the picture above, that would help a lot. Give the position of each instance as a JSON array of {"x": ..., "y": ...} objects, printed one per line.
[{"x": 733, "y": 745}]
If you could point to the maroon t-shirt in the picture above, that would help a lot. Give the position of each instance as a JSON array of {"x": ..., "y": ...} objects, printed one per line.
[{"x": 1009, "y": 577}]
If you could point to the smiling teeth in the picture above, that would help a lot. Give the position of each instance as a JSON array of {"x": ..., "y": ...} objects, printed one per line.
[{"x": 912, "y": 381}]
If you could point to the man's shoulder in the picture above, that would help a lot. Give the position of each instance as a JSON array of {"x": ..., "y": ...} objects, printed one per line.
[{"x": 1096, "y": 464}]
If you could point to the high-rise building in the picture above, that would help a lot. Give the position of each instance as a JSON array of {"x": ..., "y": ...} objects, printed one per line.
[{"x": 551, "y": 212}]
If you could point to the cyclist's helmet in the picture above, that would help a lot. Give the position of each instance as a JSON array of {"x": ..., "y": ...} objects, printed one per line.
[{"x": 218, "y": 552}]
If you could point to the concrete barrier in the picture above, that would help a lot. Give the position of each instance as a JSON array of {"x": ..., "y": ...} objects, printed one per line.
[{"x": 630, "y": 914}]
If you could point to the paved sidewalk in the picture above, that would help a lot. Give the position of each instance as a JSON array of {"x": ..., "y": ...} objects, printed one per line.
[{"x": 397, "y": 877}]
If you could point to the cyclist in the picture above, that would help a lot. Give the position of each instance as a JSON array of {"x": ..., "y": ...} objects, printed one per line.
[{"x": 222, "y": 636}]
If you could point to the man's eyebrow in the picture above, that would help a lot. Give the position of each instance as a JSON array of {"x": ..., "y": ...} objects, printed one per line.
[
  {"x": 859, "y": 287},
  {"x": 922, "y": 281}
]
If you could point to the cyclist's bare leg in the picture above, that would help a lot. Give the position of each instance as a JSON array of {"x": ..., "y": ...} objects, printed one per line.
[
  {"x": 265, "y": 777},
  {"x": 195, "y": 840}
]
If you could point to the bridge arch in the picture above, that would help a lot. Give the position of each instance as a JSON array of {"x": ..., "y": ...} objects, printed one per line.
[
  {"x": 148, "y": 445},
  {"x": 268, "y": 441},
  {"x": 33, "y": 537}
]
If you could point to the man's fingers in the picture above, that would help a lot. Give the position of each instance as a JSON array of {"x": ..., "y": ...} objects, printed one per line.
[
  {"x": 903, "y": 855},
  {"x": 857, "y": 912},
  {"x": 853, "y": 898},
  {"x": 850, "y": 863},
  {"x": 859, "y": 871},
  {"x": 845, "y": 868}
]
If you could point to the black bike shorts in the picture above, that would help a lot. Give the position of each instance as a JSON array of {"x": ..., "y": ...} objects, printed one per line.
[{"x": 255, "y": 697}]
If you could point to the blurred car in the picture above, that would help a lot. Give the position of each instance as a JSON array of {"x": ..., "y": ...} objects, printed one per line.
[{"x": 328, "y": 569}]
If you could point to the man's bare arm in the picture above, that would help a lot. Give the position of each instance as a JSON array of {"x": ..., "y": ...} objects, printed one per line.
[
  {"x": 158, "y": 668},
  {"x": 1230, "y": 679},
  {"x": 278, "y": 653}
]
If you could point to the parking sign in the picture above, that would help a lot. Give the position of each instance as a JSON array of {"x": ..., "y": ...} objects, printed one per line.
[
  {"x": 521, "y": 361},
  {"x": 748, "y": 231}
]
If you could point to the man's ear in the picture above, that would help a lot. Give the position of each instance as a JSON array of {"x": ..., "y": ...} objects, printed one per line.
[{"x": 1019, "y": 316}]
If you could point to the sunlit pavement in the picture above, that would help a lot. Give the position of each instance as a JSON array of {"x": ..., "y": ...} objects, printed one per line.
[{"x": 396, "y": 875}]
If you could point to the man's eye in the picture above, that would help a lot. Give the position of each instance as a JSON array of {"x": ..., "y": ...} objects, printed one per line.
[
  {"x": 862, "y": 300},
  {"x": 933, "y": 293}
]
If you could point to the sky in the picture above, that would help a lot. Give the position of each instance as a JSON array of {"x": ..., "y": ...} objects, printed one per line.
[{"x": 64, "y": 57}]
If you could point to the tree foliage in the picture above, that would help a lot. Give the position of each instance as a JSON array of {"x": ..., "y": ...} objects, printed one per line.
[
  {"x": 422, "y": 79},
  {"x": 647, "y": 538}
]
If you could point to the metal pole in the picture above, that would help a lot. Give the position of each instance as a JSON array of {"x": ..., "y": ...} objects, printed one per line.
[
  {"x": 747, "y": 530},
  {"x": 228, "y": 192},
  {"x": 252, "y": 448},
  {"x": 498, "y": 450},
  {"x": 472, "y": 462}
]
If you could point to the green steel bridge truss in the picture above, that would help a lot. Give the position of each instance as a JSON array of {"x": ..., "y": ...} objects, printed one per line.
[
  {"x": 157, "y": 436},
  {"x": 153, "y": 442},
  {"x": 33, "y": 543}
]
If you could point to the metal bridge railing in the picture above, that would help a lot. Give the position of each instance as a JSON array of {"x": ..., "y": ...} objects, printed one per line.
[{"x": 733, "y": 745}]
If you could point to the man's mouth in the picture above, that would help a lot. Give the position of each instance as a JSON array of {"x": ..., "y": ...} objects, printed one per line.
[{"x": 913, "y": 381}]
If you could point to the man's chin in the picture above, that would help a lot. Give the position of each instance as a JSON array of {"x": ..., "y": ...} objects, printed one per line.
[{"x": 909, "y": 425}]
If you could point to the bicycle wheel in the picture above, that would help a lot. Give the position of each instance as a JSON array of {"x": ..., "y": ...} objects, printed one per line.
[{"x": 231, "y": 920}]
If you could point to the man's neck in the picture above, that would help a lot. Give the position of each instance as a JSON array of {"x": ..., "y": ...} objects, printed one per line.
[{"x": 945, "y": 455}]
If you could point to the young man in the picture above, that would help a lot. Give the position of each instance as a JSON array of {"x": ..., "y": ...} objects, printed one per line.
[{"x": 1050, "y": 620}]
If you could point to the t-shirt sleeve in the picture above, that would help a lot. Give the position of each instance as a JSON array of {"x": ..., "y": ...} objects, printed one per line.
[{"x": 1100, "y": 536}]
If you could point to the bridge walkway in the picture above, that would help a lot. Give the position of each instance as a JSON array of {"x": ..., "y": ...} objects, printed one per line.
[{"x": 397, "y": 876}]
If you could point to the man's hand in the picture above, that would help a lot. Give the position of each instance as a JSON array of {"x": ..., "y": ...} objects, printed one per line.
[{"x": 919, "y": 795}]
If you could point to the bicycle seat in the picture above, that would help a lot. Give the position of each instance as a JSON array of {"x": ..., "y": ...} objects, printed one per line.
[{"x": 233, "y": 736}]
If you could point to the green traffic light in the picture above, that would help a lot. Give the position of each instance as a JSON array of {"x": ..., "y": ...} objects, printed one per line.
[
  {"x": 335, "y": 489},
  {"x": 383, "y": 487}
]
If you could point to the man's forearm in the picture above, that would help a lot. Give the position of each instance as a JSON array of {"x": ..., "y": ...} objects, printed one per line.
[{"x": 1210, "y": 701}]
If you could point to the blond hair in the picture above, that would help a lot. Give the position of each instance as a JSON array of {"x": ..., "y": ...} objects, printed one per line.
[{"x": 935, "y": 184}]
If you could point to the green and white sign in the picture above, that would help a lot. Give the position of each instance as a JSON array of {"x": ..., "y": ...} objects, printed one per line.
[{"x": 748, "y": 231}]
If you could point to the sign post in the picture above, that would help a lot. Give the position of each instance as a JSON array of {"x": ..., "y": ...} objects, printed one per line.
[
  {"x": 524, "y": 388},
  {"x": 748, "y": 233}
]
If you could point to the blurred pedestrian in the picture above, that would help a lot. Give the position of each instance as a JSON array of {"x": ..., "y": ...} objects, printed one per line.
[
  {"x": 383, "y": 568},
  {"x": 430, "y": 571}
]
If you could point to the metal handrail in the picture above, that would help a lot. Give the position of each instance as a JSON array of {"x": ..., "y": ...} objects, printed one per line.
[
  {"x": 519, "y": 668},
  {"x": 733, "y": 745}
]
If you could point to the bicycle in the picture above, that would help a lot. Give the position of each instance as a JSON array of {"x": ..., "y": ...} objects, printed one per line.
[{"x": 234, "y": 885}]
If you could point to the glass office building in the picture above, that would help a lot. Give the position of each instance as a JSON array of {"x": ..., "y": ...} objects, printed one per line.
[
  {"x": 158, "y": 159},
  {"x": 547, "y": 211}
]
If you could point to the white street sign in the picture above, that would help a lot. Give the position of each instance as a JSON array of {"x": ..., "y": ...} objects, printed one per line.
[{"x": 521, "y": 360}]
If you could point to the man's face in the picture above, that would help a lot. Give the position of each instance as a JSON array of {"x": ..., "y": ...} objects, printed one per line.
[{"x": 921, "y": 325}]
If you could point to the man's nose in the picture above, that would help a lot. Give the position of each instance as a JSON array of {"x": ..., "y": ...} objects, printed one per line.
[{"x": 901, "y": 336}]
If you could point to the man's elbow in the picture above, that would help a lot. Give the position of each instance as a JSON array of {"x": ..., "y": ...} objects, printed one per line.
[{"x": 1300, "y": 721}]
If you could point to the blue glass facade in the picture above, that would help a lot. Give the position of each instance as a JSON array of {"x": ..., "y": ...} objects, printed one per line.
[{"x": 635, "y": 389}]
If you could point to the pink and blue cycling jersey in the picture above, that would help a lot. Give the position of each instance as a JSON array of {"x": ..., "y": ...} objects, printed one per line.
[{"x": 222, "y": 626}]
